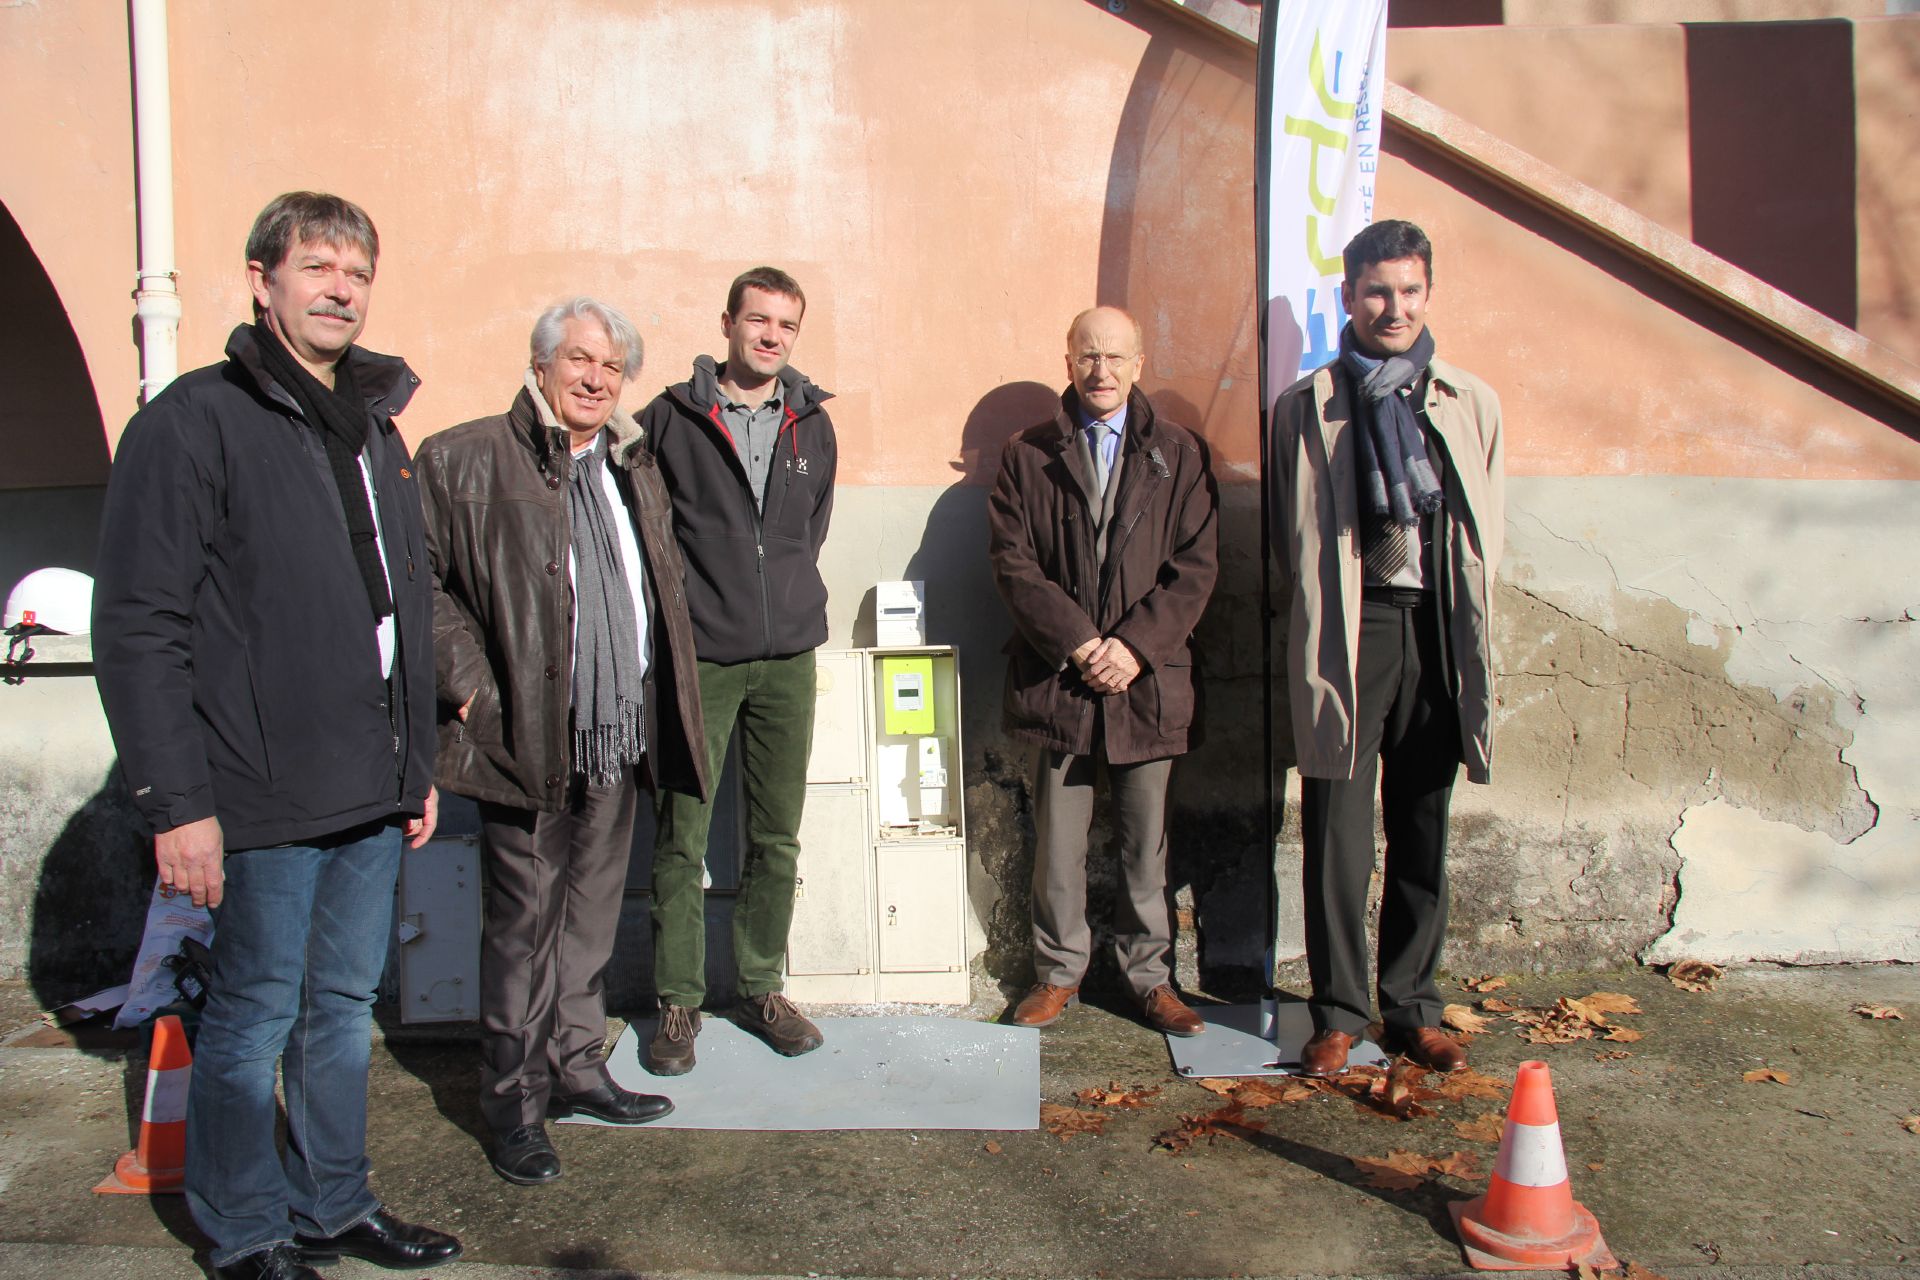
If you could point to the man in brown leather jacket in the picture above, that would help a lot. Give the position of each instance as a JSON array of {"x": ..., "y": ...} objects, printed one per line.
[
  {"x": 565, "y": 668},
  {"x": 1104, "y": 547}
]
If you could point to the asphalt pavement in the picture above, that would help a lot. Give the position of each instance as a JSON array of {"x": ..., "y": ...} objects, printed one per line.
[{"x": 1754, "y": 1130}]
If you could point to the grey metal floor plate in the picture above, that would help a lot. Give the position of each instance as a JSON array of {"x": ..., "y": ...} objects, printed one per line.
[
  {"x": 1232, "y": 1044},
  {"x": 872, "y": 1073}
]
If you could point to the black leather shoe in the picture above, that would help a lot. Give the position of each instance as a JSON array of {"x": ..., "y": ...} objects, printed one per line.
[
  {"x": 525, "y": 1156},
  {"x": 611, "y": 1103},
  {"x": 277, "y": 1263},
  {"x": 383, "y": 1240}
]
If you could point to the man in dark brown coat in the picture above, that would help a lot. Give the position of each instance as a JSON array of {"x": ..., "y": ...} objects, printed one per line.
[
  {"x": 1104, "y": 547},
  {"x": 566, "y": 678}
]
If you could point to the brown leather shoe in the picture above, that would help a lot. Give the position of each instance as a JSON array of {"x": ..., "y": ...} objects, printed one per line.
[
  {"x": 1432, "y": 1048},
  {"x": 1165, "y": 1012},
  {"x": 1043, "y": 1005},
  {"x": 1325, "y": 1054}
]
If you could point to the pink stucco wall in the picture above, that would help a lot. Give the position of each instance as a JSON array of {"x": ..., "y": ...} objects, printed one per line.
[{"x": 950, "y": 182}]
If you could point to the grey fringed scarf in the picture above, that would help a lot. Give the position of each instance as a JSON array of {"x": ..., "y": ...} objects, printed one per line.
[
  {"x": 609, "y": 728},
  {"x": 1396, "y": 479}
]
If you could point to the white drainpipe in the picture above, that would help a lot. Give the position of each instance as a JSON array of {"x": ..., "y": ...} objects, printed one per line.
[{"x": 156, "y": 299}]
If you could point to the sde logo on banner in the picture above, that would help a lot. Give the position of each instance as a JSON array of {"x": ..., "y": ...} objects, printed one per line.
[{"x": 1328, "y": 70}]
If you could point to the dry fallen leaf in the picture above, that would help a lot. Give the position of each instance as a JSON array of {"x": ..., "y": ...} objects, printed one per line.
[
  {"x": 1115, "y": 1096},
  {"x": 1611, "y": 1055},
  {"x": 1064, "y": 1122},
  {"x": 1762, "y": 1075},
  {"x": 992, "y": 1148},
  {"x": 1879, "y": 1011},
  {"x": 1403, "y": 1091},
  {"x": 1393, "y": 1094},
  {"x": 1257, "y": 1093},
  {"x": 1611, "y": 1002},
  {"x": 1625, "y": 1035},
  {"x": 1254, "y": 1093},
  {"x": 1468, "y": 1083},
  {"x": 1461, "y": 1018},
  {"x": 1694, "y": 975},
  {"x": 1637, "y": 1272},
  {"x": 1487, "y": 1128},
  {"x": 1598, "y": 1166},
  {"x": 1384, "y": 1176},
  {"x": 1228, "y": 1121},
  {"x": 1910, "y": 1123},
  {"x": 1562, "y": 1024},
  {"x": 1483, "y": 984},
  {"x": 1496, "y": 1005},
  {"x": 1405, "y": 1170},
  {"x": 1587, "y": 1271},
  {"x": 1582, "y": 1010}
]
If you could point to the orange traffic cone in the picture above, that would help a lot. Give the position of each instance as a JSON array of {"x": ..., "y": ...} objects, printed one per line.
[
  {"x": 159, "y": 1164},
  {"x": 1529, "y": 1219}
]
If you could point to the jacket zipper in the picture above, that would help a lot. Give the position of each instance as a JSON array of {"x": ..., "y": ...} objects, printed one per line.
[{"x": 759, "y": 529}]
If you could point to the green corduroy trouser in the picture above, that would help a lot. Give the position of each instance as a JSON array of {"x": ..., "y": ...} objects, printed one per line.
[{"x": 772, "y": 700}]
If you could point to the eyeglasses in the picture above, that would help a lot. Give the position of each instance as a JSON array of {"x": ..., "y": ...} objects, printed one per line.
[{"x": 1094, "y": 360}]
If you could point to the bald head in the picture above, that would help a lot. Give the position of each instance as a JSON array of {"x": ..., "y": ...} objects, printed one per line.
[
  {"x": 1102, "y": 315},
  {"x": 1103, "y": 358}
]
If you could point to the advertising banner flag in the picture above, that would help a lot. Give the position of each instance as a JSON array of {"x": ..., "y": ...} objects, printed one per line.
[
  {"x": 1322, "y": 75},
  {"x": 1323, "y": 69}
]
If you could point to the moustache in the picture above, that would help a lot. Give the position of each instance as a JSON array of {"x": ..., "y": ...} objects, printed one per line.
[{"x": 333, "y": 309}]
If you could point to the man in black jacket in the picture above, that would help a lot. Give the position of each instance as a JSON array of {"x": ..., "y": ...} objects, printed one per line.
[
  {"x": 566, "y": 669},
  {"x": 748, "y": 453},
  {"x": 262, "y": 642}
]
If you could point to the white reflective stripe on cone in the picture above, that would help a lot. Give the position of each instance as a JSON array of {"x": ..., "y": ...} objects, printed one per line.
[
  {"x": 1531, "y": 1156},
  {"x": 167, "y": 1096}
]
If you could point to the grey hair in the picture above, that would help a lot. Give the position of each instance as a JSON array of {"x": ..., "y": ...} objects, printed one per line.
[{"x": 551, "y": 328}]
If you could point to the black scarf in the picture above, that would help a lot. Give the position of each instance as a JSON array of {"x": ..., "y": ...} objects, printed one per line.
[
  {"x": 340, "y": 416},
  {"x": 1396, "y": 479}
]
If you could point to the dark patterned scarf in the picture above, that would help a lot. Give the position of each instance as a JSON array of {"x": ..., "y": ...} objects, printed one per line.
[{"x": 1396, "y": 479}]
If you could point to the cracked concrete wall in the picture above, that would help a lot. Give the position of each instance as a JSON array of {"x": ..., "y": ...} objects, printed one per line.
[
  {"x": 1745, "y": 652},
  {"x": 1708, "y": 695}
]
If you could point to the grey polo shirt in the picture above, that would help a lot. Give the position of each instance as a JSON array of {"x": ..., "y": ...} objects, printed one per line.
[{"x": 755, "y": 432}]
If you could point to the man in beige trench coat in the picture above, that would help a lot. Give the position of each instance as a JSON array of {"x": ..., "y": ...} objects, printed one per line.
[{"x": 1387, "y": 494}]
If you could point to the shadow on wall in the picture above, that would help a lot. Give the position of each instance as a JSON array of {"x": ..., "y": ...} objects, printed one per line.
[
  {"x": 90, "y": 905},
  {"x": 963, "y": 609}
]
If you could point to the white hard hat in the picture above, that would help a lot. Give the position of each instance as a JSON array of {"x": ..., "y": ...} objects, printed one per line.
[{"x": 51, "y": 600}]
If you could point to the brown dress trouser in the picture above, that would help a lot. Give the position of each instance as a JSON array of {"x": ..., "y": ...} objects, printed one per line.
[{"x": 552, "y": 911}]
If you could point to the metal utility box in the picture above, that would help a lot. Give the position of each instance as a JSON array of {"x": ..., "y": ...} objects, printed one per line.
[
  {"x": 437, "y": 930},
  {"x": 880, "y": 903}
]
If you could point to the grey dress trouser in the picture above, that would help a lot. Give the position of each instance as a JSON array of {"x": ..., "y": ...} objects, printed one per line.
[
  {"x": 1063, "y": 790},
  {"x": 552, "y": 911}
]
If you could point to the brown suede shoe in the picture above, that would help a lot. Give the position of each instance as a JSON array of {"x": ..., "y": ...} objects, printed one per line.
[
  {"x": 670, "y": 1052},
  {"x": 1043, "y": 1005},
  {"x": 1431, "y": 1048},
  {"x": 1325, "y": 1054},
  {"x": 1165, "y": 1012},
  {"x": 774, "y": 1019}
]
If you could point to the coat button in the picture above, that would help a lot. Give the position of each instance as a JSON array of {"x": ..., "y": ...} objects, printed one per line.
[
  {"x": 553, "y": 482},
  {"x": 553, "y": 780},
  {"x": 553, "y": 566},
  {"x": 553, "y": 672}
]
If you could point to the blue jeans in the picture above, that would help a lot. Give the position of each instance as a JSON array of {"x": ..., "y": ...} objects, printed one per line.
[{"x": 298, "y": 945}]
